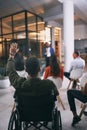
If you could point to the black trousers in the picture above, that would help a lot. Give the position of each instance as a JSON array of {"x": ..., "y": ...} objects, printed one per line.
[
  {"x": 47, "y": 61},
  {"x": 75, "y": 94},
  {"x": 67, "y": 75}
]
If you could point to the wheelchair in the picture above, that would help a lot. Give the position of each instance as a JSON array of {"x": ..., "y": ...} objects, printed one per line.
[{"x": 35, "y": 112}]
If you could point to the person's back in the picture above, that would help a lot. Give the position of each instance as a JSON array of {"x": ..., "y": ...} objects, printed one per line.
[
  {"x": 37, "y": 87},
  {"x": 78, "y": 63},
  {"x": 19, "y": 62},
  {"x": 54, "y": 69}
]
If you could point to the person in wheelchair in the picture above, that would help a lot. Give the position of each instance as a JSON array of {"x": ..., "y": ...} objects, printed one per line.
[{"x": 33, "y": 85}]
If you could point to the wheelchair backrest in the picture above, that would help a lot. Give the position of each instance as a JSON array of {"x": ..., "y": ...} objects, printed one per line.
[{"x": 35, "y": 108}]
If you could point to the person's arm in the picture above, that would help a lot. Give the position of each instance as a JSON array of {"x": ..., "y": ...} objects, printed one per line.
[
  {"x": 83, "y": 63},
  {"x": 52, "y": 51},
  {"x": 14, "y": 78},
  {"x": 11, "y": 62}
]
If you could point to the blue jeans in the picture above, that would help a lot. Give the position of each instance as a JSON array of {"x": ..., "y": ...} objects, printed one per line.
[{"x": 75, "y": 94}]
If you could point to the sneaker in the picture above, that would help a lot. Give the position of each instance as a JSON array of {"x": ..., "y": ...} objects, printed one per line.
[
  {"x": 85, "y": 113},
  {"x": 76, "y": 120}
]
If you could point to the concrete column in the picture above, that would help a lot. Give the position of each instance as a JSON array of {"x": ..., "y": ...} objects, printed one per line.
[
  {"x": 68, "y": 11},
  {"x": 53, "y": 38}
]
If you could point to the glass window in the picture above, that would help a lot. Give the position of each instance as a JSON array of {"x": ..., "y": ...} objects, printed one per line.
[
  {"x": 57, "y": 37},
  {"x": 40, "y": 35},
  {"x": 19, "y": 22},
  {"x": 1, "y": 38},
  {"x": 48, "y": 34},
  {"x": 31, "y": 22},
  {"x": 32, "y": 47},
  {"x": 0, "y": 27},
  {"x": 6, "y": 25},
  {"x": 0, "y": 49},
  {"x": 7, "y": 37},
  {"x": 41, "y": 32},
  {"x": 57, "y": 34},
  {"x": 20, "y": 35},
  {"x": 40, "y": 24},
  {"x": 32, "y": 35}
]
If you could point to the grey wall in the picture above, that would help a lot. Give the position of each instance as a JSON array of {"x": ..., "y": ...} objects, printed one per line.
[{"x": 81, "y": 45}]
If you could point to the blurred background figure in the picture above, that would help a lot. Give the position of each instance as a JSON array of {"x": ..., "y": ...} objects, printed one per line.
[
  {"x": 48, "y": 52},
  {"x": 19, "y": 64},
  {"x": 77, "y": 63},
  {"x": 54, "y": 69},
  {"x": 19, "y": 59},
  {"x": 55, "y": 72}
]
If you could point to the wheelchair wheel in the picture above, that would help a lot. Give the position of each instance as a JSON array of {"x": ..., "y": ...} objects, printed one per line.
[
  {"x": 57, "y": 120},
  {"x": 14, "y": 123}
]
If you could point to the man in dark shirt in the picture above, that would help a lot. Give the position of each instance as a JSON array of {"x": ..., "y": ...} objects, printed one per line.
[{"x": 33, "y": 84}]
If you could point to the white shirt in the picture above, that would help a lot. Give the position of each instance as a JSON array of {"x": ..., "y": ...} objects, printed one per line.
[
  {"x": 77, "y": 63},
  {"x": 48, "y": 52},
  {"x": 22, "y": 73},
  {"x": 57, "y": 81}
]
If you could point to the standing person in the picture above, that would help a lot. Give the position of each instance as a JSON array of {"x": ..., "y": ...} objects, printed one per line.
[
  {"x": 19, "y": 59},
  {"x": 80, "y": 95},
  {"x": 77, "y": 63},
  {"x": 49, "y": 51},
  {"x": 33, "y": 85},
  {"x": 54, "y": 69}
]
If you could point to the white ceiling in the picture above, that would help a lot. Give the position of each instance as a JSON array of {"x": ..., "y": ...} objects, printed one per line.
[{"x": 50, "y": 10}]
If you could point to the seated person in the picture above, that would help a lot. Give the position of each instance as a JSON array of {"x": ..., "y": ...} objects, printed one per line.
[
  {"x": 54, "y": 72},
  {"x": 19, "y": 61},
  {"x": 77, "y": 63},
  {"x": 33, "y": 84},
  {"x": 19, "y": 64},
  {"x": 73, "y": 94},
  {"x": 54, "y": 69}
]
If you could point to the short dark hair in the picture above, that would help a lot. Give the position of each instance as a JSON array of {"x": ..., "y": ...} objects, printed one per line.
[
  {"x": 77, "y": 53},
  {"x": 32, "y": 66},
  {"x": 19, "y": 62},
  {"x": 13, "y": 41}
]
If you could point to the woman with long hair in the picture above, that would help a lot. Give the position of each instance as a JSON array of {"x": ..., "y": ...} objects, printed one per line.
[
  {"x": 54, "y": 69},
  {"x": 55, "y": 72}
]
